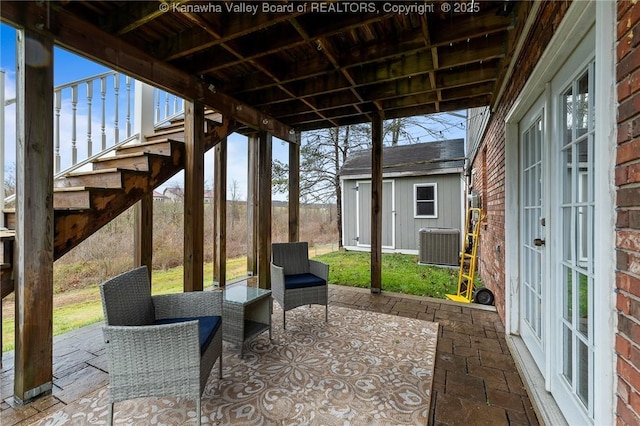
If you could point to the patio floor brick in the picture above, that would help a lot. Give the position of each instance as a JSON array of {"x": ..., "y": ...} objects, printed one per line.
[{"x": 475, "y": 379}]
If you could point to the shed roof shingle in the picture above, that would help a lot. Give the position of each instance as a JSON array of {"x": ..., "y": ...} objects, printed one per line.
[{"x": 416, "y": 159}]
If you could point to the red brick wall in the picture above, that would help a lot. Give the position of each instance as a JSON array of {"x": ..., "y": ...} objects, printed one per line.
[
  {"x": 492, "y": 234},
  {"x": 627, "y": 180}
]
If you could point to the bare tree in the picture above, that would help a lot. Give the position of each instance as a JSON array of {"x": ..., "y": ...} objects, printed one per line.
[
  {"x": 234, "y": 198},
  {"x": 10, "y": 180},
  {"x": 429, "y": 127}
]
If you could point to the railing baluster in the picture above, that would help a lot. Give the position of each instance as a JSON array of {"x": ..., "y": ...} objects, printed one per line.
[
  {"x": 89, "y": 98},
  {"x": 166, "y": 105},
  {"x": 74, "y": 109},
  {"x": 116, "y": 89},
  {"x": 128, "y": 119},
  {"x": 56, "y": 129},
  {"x": 156, "y": 95},
  {"x": 103, "y": 125}
]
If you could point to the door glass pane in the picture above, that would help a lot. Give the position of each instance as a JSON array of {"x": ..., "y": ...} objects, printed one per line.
[
  {"x": 582, "y": 236},
  {"x": 567, "y": 116},
  {"x": 567, "y": 166},
  {"x": 581, "y": 113},
  {"x": 567, "y": 367},
  {"x": 583, "y": 372},
  {"x": 583, "y": 300},
  {"x": 566, "y": 231},
  {"x": 568, "y": 293}
]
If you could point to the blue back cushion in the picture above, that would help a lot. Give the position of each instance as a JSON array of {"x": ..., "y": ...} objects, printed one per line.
[
  {"x": 302, "y": 281},
  {"x": 207, "y": 327}
]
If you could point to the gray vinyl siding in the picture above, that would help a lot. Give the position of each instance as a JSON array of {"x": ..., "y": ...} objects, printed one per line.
[
  {"x": 448, "y": 200},
  {"x": 449, "y": 204}
]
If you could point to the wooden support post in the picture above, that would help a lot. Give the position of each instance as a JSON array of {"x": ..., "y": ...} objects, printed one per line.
[
  {"x": 220, "y": 214},
  {"x": 252, "y": 205},
  {"x": 143, "y": 243},
  {"x": 194, "y": 196},
  {"x": 34, "y": 212},
  {"x": 264, "y": 210},
  {"x": 294, "y": 190},
  {"x": 376, "y": 204}
]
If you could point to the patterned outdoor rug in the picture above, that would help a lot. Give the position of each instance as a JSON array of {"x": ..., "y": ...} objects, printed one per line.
[{"x": 360, "y": 368}]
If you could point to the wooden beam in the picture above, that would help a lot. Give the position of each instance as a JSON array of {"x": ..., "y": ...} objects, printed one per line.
[
  {"x": 220, "y": 214},
  {"x": 294, "y": 190},
  {"x": 252, "y": 205},
  {"x": 34, "y": 212},
  {"x": 376, "y": 204},
  {"x": 90, "y": 41},
  {"x": 132, "y": 15},
  {"x": 264, "y": 209},
  {"x": 143, "y": 235},
  {"x": 193, "y": 196},
  {"x": 220, "y": 29}
]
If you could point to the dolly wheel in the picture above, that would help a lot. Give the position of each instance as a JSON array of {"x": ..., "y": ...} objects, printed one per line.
[{"x": 484, "y": 296}]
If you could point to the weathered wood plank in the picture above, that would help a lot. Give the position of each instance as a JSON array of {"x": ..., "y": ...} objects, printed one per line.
[
  {"x": 139, "y": 162},
  {"x": 376, "y": 204},
  {"x": 143, "y": 232},
  {"x": 194, "y": 196},
  {"x": 294, "y": 190},
  {"x": 252, "y": 204},
  {"x": 264, "y": 209},
  {"x": 220, "y": 214},
  {"x": 34, "y": 212},
  {"x": 157, "y": 147}
]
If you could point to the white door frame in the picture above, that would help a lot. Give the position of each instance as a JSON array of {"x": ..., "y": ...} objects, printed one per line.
[{"x": 577, "y": 21}]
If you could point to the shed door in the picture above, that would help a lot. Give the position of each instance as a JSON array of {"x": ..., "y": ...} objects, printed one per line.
[{"x": 364, "y": 214}]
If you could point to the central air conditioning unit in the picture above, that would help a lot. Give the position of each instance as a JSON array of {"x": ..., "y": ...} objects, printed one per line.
[{"x": 439, "y": 246}]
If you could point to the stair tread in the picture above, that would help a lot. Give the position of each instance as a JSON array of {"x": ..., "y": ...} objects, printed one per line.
[
  {"x": 121, "y": 156},
  {"x": 100, "y": 171},
  {"x": 153, "y": 142},
  {"x": 7, "y": 234},
  {"x": 82, "y": 188}
]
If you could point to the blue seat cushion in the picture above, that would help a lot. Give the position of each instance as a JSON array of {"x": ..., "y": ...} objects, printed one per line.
[
  {"x": 302, "y": 281},
  {"x": 207, "y": 327}
]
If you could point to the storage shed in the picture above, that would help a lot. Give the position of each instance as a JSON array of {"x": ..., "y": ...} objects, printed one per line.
[{"x": 422, "y": 190}]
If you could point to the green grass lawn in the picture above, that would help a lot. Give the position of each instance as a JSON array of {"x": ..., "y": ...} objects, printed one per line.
[{"x": 400, "y": 274}]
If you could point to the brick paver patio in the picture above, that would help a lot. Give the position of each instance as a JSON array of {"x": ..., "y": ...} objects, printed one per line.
[{"x": 476, "y": 381}]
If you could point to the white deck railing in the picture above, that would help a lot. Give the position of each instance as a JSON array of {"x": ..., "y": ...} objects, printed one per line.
[{"x": 92, "y": 117}]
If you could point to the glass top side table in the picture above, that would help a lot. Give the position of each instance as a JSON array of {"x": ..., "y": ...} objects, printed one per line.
[{"x": 246, "y": 313}]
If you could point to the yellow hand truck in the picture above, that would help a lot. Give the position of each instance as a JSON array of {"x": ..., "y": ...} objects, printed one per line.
[{"x": 469, "y": 259}]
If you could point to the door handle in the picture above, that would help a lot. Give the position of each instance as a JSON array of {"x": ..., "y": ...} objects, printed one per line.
[{"x": 538, "y": 242}]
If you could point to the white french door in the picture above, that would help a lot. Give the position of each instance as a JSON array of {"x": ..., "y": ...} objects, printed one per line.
[
  {"x": 556, "y": 210},
  {"x": 573, "y": 378},
  {"x": 560, "y": 220},
  {"x": 532, "y": 241}
]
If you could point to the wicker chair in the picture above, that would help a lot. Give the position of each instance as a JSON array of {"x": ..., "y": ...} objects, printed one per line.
[
  {"x": 159, "y": 345},
  {"x": 296, "y": 280}
]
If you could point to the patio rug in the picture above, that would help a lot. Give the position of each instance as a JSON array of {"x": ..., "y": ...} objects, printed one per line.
[{"x": 360, "y": 368}]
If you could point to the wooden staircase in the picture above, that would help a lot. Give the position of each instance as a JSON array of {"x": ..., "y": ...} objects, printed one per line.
[{"x": 84, "y": 202}]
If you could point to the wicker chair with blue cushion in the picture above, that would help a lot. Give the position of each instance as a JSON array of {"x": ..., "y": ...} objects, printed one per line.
[
  {"x": 159, "y": 345},
  {"x": 297, "y": 280}
]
